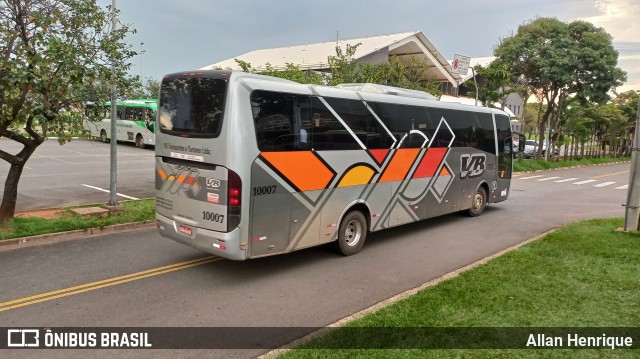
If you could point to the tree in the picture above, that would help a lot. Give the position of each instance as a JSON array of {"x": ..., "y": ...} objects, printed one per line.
[
  {"x": 291, "y": 72},
  {"x": 410, "y": 75},
  {"x": 552, "y": 58},
  {"x": 56, "y": 55},
  {"x": 494, "y": 84},
  {"x": 627, "y": 102},
  {"x": 578, "y": 127},
  {"x": 344, "y": 69},
  {"x": 150, "y": 89}
]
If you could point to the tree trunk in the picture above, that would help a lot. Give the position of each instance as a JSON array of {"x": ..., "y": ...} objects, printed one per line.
[
  {"x": 542, "y": 127},
  {"x": 10, "y": 196},
  {"x": 17, "y": 162}
]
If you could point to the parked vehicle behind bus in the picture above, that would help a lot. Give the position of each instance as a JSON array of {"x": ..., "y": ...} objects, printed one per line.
[
  {"x": 250, "y": 166},
  {"x": 135, "y": 122},
  {"x": 531, "y": 149}
]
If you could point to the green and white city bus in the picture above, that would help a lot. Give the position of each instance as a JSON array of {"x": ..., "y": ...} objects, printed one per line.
[
  {"x": 135, "y": 122},
  {"x": 250, "y": 166}
]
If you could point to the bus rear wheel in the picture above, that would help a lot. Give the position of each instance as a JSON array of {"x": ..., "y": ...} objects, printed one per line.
[
  {"x": 478, "y": 202},
  {"x": 140, "y": 141},
  {"x": 351, "y": 233},
  {"x": 103, "y": 136}
]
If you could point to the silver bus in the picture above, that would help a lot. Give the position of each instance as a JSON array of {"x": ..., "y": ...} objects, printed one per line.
[{"x": 250, "y": 166}]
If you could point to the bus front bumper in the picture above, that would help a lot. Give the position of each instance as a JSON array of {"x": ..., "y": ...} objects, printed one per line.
[{"x": 225, "y": 245}]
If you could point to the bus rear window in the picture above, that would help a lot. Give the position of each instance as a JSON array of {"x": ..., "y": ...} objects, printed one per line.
[{"x": 191, "y": 106}]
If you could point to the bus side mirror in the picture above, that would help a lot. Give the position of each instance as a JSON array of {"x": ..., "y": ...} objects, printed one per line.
[
  {"x": 521, "y": 142},
  {"x": 507, "y": 146}
]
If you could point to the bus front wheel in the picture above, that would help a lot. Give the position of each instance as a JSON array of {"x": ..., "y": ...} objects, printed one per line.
[
  {"x": 352, "y": 233},
  {"x": 140, "y": 141},
  {"x": 478, "y": 202},
  {"x": 103, "y": 136}
]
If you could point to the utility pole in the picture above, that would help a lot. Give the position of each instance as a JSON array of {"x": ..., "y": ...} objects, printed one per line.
[
  {"x": 632, "y": 210},
  {"x": 141, "y": 52},
  {"x": 475, "y": 82},
  {"x": 113, "y": 169}
]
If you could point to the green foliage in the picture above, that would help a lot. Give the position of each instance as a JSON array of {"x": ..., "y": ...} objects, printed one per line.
[
  {"x": 344, "y": 69},
  {"x": 409, "y": 74},
  {"x": 582, "y": 275},
  {"x": 150, "y": 88},
  {"x": 557, "y": 61},
  {"x": 55, "y": 57},
  {"x": 628, "y": 104},
  {"x": 494, "y": 84},
  {"x": 531, "y": 165},
  {"x": 290, "y": 72},
  {"x": 134, "y": 211},
  {"x": 58, "y": 56},
  {"x": 295, "y": 73}
]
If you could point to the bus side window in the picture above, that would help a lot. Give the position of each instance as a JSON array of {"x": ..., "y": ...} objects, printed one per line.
[
  {"x": 120, "y": 113},
  {"x": 149, "y": 119},
  {"x": 362, "y": 123},
  {"x": 327, "y": 132},
  {"x": 129, "y": 114},
  {"x": 138, "y": 114},
  {"x": 273, "y": 120}
]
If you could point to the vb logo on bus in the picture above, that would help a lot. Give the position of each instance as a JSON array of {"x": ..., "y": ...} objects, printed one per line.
[{"x": 472, "y": 165}]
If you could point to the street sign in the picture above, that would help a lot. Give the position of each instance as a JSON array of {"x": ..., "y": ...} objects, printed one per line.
[{"x": 460, "y": 64}]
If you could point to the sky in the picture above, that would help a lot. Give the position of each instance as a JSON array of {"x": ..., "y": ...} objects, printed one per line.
[{"x": 178, "y": 35}]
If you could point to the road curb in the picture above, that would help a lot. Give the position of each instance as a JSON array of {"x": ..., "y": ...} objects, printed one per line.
[{"x": 23, "y": 242}]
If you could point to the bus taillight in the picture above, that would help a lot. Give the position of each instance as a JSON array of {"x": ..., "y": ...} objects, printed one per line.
[
  {"x": 234, "y": 200},
  {"x": 234, "y": 196},
  {"x": 234, "y": 188}
]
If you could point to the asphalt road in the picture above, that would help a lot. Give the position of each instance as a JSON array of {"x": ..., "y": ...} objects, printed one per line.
[
  {"x": 79, "y": 173},
  {"x": 309, "y": 288}
]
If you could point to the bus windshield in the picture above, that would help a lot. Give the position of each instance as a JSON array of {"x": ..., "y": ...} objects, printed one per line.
[{"x": 192, "y": 106}]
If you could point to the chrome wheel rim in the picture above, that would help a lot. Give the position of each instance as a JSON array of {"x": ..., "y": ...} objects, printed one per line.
[
  {"x": 353, "y": 233},
  {"x": 477, "y": 201}
]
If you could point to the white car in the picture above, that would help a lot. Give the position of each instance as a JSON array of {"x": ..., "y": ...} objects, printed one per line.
[{"x": 531, "y": 149}]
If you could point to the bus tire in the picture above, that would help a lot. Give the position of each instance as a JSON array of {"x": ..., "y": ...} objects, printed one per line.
[
  {"x": 103, "y": 136},
  {"x": 140, "y": 141},
  {"x": 351, "y": 233},
  {"x": 478, "y": 202}
]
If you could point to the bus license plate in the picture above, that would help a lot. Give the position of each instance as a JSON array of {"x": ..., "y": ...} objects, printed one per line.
[{"x": 185, "y": 230}]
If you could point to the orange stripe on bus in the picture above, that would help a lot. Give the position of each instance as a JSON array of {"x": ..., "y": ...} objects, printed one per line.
[
  {"x": 379, "y": 155},
  {"x": 302, "y": 168},
  {"x": 444, "y": 172},
  {"x": 400, "y": 164},
  {"x": 162, "y": 173},
  {"x": 357, "y": 176},
  {"x": 430, "y": 163}
]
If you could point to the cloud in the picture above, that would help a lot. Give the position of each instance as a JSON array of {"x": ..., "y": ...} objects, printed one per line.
[{"x": 619, "y": 18}]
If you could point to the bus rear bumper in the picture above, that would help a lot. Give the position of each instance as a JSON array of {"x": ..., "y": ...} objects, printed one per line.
[{"x": 225, "y": 245}]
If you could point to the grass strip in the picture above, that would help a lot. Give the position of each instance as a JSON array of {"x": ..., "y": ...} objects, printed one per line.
[
  {"x": 583, "y": 275},
  {"x": 525, "y": 165},
  {"x": 134, "y": 211}
]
